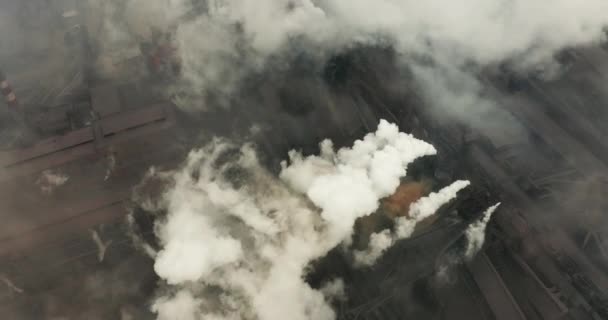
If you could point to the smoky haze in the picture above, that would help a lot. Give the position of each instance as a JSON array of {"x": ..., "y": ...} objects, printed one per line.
[
  {"x": 230, "y": 248},
  {"x": 442, "y": 43}
]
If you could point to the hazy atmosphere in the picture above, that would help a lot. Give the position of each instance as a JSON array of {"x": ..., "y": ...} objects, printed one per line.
[{"x": 303, "y": 159}]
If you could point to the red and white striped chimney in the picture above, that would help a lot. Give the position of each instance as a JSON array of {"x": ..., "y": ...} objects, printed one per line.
[{"x": 7, "y": 92}]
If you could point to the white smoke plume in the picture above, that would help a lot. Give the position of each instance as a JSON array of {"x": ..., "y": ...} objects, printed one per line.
[
  {"x": 334, "y": 290},
  {"x": 405, "y": 225},
  {"x": 476, "y": 232},
  {"x": 379, "y": 242},
  {"x": 9, "y": 283},
  {"x": 237, "y": 240},
  {"x": 461, "y": 96},
  {"x": 425, "y": 207},
  {"x": 181, "y": 306},
  {"x": 50, "y": 180},
  {"x": 102, "y": 246}
]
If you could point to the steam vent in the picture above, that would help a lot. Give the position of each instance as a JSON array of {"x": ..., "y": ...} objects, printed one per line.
[{"x": 303, "y": 160}]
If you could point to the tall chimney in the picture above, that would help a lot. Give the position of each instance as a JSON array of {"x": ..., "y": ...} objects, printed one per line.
[
  {"x": 28, "y": 136},
  {"x": 8, "y": 93}
]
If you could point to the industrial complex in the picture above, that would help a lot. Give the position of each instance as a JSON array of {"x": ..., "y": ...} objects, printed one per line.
[{"x": 90, "y": 130}]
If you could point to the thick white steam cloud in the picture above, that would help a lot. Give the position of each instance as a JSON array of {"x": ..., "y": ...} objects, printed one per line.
[
  {"x": 347, "y": 184},
  {"x": 237, "y": 241}
]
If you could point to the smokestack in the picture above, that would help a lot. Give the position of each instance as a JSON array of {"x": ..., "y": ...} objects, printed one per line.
[
  {"x": 8, "y": 93},
  {"x": 27, "y": 135}
]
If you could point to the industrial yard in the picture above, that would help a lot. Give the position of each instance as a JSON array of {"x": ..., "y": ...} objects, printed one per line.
[{"x": 109, "y": 143}]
